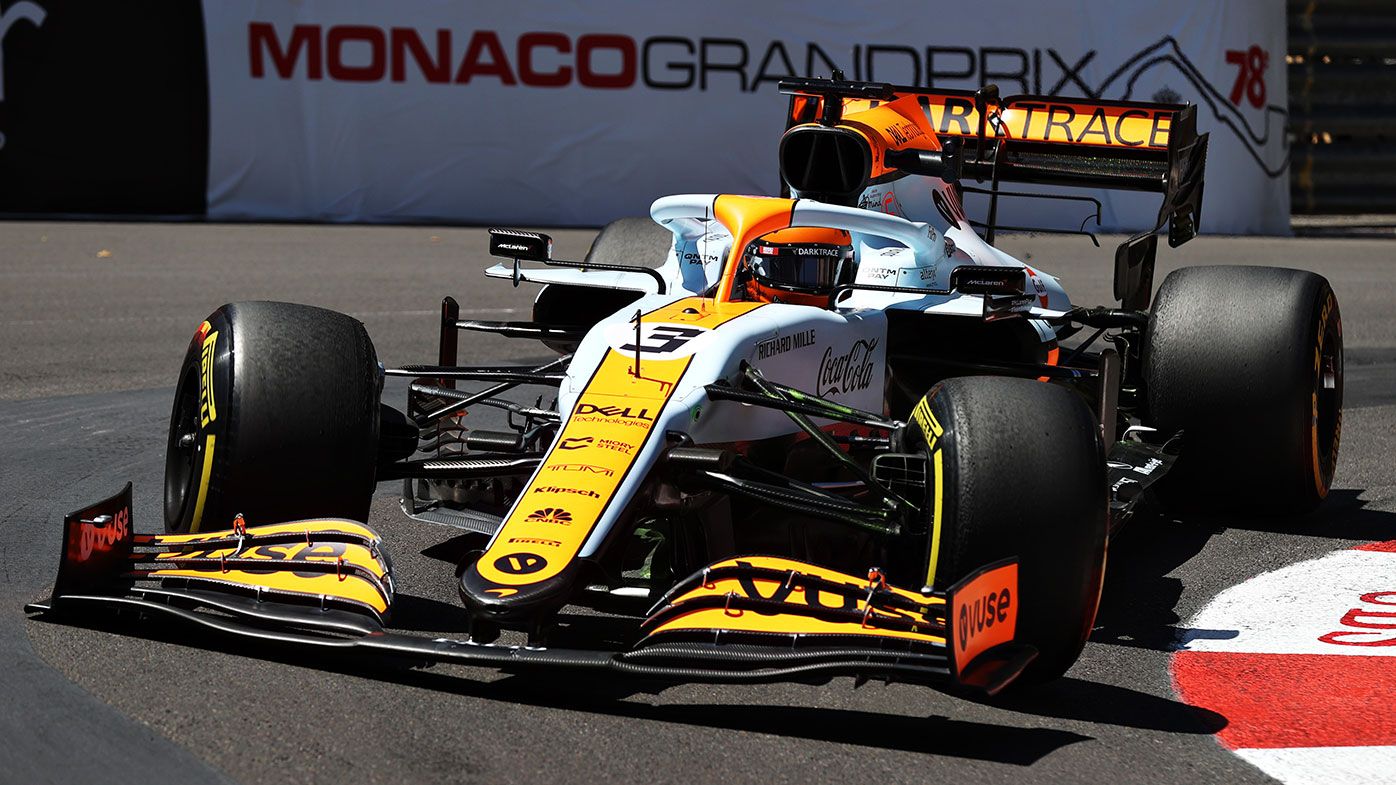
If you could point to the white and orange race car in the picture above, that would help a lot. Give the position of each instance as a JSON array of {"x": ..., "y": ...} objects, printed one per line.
[{"x": 791, "y": 437}]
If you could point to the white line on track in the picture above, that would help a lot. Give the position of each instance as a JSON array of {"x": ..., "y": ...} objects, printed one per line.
[
  {"x": 1348, "y": 765},
  {"x": 1301, "y": 662}
]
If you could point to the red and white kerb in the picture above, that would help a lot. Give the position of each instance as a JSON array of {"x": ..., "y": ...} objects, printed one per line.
[{"x": 1302, "y": 664}]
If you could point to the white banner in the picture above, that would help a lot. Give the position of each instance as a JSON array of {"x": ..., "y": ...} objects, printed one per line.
[{"x": 579, "y": 113}]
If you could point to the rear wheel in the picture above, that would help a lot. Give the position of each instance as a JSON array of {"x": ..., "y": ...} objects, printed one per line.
[
  {"x": 1248, "y": 363},
  {"x": 632, "y": 241},
  {"x": 1017, "y": 470},
  {"x": 276, "y": 416},
  {"x": 636, "y": 240}
]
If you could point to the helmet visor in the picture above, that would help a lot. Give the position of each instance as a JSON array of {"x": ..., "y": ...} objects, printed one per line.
[{"x": 805, "y": 268}]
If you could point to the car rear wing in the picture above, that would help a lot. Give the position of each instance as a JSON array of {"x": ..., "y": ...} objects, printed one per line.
[{"x": 842, "y": 137}]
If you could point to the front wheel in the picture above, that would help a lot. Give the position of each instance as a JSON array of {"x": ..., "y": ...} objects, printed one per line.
[
  {"x": 276, "y": 416},
  {"x": 1016, "y": 469}
]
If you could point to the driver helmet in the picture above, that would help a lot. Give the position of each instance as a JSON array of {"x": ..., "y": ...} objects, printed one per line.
[{"x": 800, "y": 266}]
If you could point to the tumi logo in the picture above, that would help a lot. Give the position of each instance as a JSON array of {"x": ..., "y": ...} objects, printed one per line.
[{"x": 584, "y": 468}]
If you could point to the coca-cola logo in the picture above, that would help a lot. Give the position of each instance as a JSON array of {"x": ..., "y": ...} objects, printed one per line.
[{"x": 848, "y": 372}]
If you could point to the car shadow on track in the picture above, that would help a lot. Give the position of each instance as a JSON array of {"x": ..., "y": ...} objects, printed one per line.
[
  {"x": 1138, "y": 602},
  {"x": 1000, "y": 740},
  {"x": 1105, "y": 704},
  {"x": 931, "y": 735},
  {"x": 1138, "y": 605},
  {"x": 1342, "y": 516}
]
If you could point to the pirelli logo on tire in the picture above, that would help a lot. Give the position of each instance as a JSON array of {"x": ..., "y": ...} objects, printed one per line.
[
  {"x": 932, "y": 430},
  {"x": 930, "y": 426},
  {"x": 208, "y": 410}
]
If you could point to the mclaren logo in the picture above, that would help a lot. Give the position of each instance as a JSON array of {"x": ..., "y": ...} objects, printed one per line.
[{"x": 550, "y": 515}]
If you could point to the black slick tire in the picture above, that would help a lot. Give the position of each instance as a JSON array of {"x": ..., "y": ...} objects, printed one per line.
[
  {"x": 636, "y": 240},
  {"x": 276, "y": 417},
  {"x": 1019, "y": 471},
  {"x": 1248, "y": 363}
]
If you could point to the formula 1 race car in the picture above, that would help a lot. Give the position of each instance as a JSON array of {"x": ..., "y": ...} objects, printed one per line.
[{"x": 791, "y": 437}]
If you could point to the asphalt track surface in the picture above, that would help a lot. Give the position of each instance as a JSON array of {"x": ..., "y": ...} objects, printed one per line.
[{"x": 94, "y": 319}]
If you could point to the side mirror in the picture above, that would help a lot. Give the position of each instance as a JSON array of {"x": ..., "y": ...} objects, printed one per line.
[
  {"x": 516, "y": 244},
  {"x": 990, "y": 280}
]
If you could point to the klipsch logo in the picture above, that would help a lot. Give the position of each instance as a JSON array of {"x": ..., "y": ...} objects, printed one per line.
[
  {"x": 848, "y": 372},
  {"x": 26, "y": 11},
  {"x": 566, "y": 489}
]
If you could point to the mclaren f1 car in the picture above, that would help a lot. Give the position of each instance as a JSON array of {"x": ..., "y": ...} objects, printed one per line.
[{"x": 784, "y": 438}]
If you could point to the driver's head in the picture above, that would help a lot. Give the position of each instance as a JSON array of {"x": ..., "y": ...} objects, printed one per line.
[{"x": 800, "y": 266}]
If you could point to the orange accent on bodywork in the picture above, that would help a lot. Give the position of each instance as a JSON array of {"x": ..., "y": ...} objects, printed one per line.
[
  {"x": 348, "y": 587},
  {"x": 983, "y": 613},
  {"x": 750, "y": 621},
  {"x": 746, "y": 218},
  {"x": 1113, "y": 124},
  {"x": 808, "y": 234},
  {"x": 610, "y": 425},
  {"x": 793, "y": 623},
  {"x": 312, "y": 529},
  {"x": 1053, "y": 355}
]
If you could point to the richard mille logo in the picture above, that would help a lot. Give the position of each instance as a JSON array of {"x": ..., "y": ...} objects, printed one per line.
[{"x": 26, "y": 11}]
